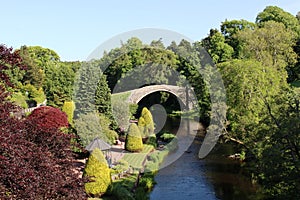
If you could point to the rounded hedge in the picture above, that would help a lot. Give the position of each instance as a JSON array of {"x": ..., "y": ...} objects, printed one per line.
[
  {"x": 47, "y": 117},
  {"x": 134, "y": 142}
]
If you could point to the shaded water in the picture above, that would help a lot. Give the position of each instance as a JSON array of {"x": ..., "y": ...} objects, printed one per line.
[{"x": 215, "y": 177}]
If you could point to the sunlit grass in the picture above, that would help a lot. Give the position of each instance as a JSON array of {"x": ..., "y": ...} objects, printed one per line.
[{"x": 136, "y": 160}]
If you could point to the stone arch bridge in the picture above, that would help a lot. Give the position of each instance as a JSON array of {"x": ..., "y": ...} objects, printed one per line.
[{"x": 185, "y": 95}]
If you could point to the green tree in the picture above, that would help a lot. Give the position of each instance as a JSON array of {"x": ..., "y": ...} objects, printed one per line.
[
  {"x": 32, "y": 93},
  {"x": 250, "y": 87},
  {"x": 60, "y": 83},
  {"x": 85, "y": 87},
  {"x": 56, "y": 77},
  {"x": 216, "y": 46},
  {"x": 271, "y": 44},
  {"x": 274, "y": 13},
  {"x": 146, "y": 123},
  {"x": 35, "y": 74},
  {"x": 263, "y": 116},
  {"x": 157, "y": 44},
  {"x": 121, "y": 110},
  {"x": 133, "y": 140},
  {"x": 92, "y": 125},
  {"x": 103, "y": 100},
  {"x": 99, "y": 173},
  {"x": 189, "y": 56},
  {"x": 279, "y": 165},
  {"x": 230, "y": 28}
]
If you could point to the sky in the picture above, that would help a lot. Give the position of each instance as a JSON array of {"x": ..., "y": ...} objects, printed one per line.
[{"x": 75, "y": 28}]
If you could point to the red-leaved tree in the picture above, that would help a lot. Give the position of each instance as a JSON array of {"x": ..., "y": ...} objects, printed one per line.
[
  {"x": 47, "y": 117},
  {"x": 9, "y": 59},
  {"x": 36, "y": 160}
]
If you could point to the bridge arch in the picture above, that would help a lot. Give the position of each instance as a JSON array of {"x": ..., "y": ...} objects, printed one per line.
[{"x": 185, "y": 96}]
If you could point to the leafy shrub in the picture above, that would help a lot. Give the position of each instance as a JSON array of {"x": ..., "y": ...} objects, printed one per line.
[
  {"x": 92, "y": 125},
  {"x": 69, "y": 108},
  {"x": 88, "y": 128},
  {"x": 152, "y": 140},
  {"x": 133, "y": 140},
  {"x": 105, "y": 124},
  {"x": 145, "y": 186},
  {"x": 47, "y": 117},
  {"x": 146, "y": 123},
  {"x": 19, "y": 99},
  {"x": 98, "y": 172},
  {"x": 120, "y": 192},
  {"x": 147, "y": 183},
  {"x": 35, "y": 94},
  {"x": 167, "y": 137},
  {"x": 132, "y": 109},
  {"x": 153, "y": 157},
  {"x": 140, "y": 194},
  {"x": 121, "y": 166}
]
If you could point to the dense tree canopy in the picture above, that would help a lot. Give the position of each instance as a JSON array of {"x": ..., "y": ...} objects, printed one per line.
[
  {"x": 10, "y": 66},
  {"x": 274, "y": 13}
]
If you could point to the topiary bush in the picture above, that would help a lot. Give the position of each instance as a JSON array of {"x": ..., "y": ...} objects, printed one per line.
[
  {"x": 99, "y": 173},
  {"x": 133, "y": 140},
  {"x": 69, "y": 108},
  {"x": 146, "y": 123}
]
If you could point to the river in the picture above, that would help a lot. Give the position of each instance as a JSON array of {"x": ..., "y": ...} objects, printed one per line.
[{"x": 188, "y": 177}]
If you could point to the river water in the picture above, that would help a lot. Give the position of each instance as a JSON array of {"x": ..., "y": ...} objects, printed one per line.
[{"x": 188, "y": 177}]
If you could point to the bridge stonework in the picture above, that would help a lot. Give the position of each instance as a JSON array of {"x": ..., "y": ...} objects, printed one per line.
[{"x": 185, "y": 96}]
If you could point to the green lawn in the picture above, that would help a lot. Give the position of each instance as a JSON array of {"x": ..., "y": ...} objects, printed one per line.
[
  {"x": 136, "y": 160},
  {"x": 122, "y": 95}
]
